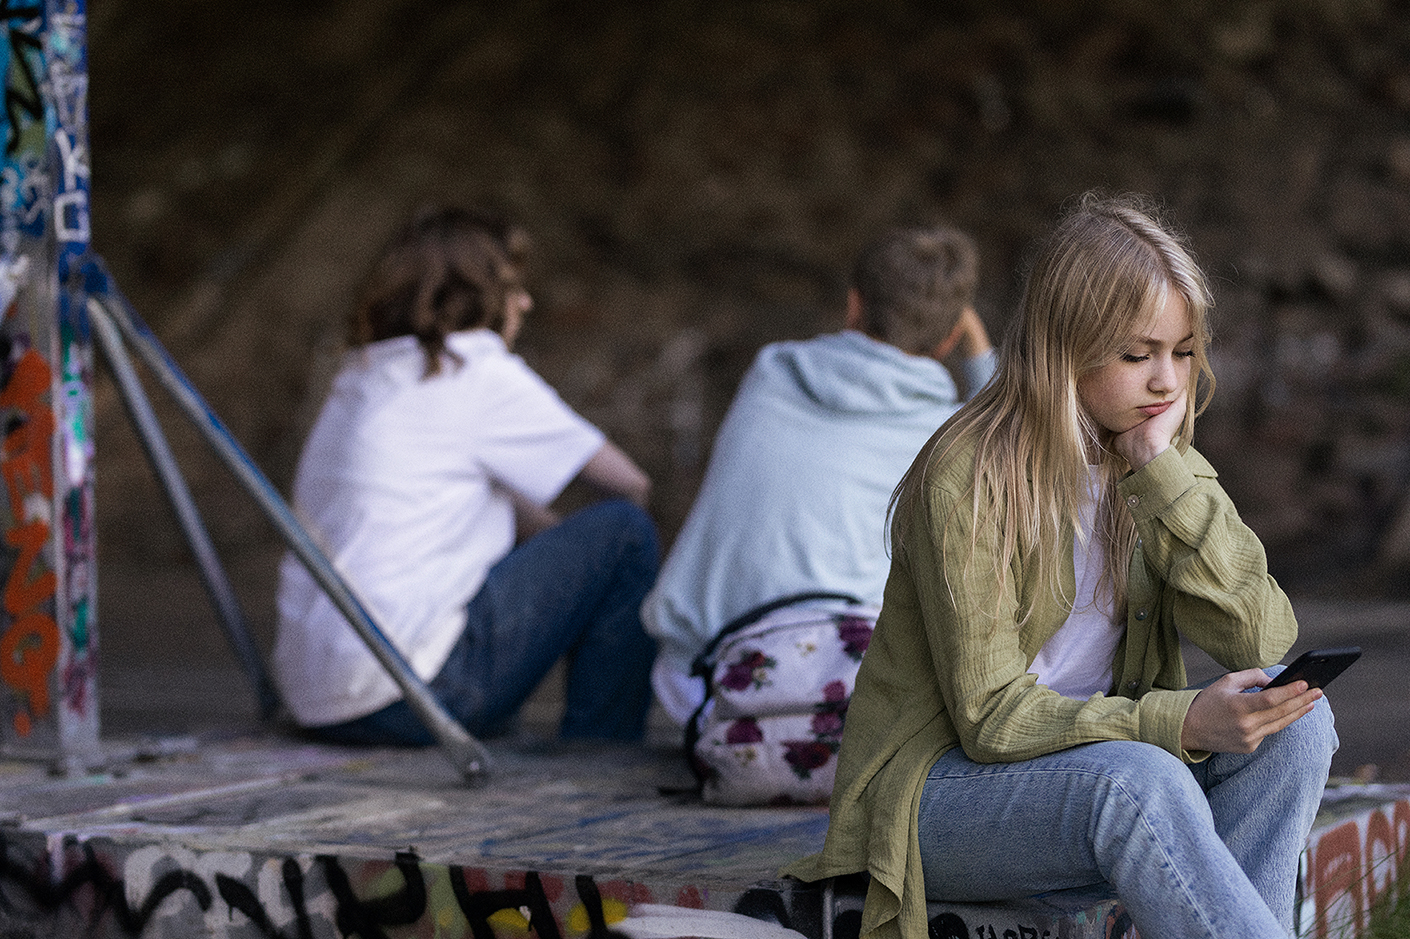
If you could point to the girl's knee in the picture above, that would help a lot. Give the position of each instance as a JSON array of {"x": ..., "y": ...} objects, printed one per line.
[
  {"x": 1148, "y": 765},
  {"x": 1141, "y": 787},
  {"x": 1144, "y": 771},
  {"x": 1314, "y": 734}
]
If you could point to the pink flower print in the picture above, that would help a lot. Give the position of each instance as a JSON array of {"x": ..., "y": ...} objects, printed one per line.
[
  {"x": 855, "y": 634},
  {"x": 751, "y": 669},
  {"x": 744, "y": 730},
  {"x": 831, "y": 712},
  {"x": 827, "y": 724},
  {"x": 806, "y": 755}
]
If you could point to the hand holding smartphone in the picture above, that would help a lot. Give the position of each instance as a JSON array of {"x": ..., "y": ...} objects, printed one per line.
[{"x": 1317, "y": 667}]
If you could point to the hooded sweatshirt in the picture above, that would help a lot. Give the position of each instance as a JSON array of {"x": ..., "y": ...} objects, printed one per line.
[{"x": 795, "y": 495}]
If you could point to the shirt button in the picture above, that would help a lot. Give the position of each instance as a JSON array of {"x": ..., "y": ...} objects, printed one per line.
[
  {"x": 1131, "y": 685},
  {"x": 1133, "y": 501},
  {"x": 1142, "y": 614}
]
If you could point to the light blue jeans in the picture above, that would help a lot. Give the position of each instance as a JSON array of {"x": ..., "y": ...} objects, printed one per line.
[
  {"x": 1205, "y": 850},
  {"x": 573, "y": 591}
]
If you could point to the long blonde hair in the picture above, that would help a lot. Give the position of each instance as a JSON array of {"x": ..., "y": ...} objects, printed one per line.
[{"x": 1095, "y": 281}]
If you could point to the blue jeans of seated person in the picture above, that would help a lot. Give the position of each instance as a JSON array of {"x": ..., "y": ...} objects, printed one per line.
[
  {"x": 572, "y": 590},
  {"x": 1203, "y": 850}
]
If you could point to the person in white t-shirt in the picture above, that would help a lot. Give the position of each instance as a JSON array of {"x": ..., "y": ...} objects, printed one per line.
[{"x": 436, "y": 450}]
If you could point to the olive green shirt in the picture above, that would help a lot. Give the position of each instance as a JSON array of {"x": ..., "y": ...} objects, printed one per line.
[{"x": 939, "y": 673}]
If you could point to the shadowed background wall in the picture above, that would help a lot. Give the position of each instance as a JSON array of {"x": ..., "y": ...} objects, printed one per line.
[{"x": 698, "y": 177}]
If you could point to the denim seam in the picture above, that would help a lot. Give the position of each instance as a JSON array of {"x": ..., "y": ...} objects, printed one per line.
[{"x": 1186, "y": 890}]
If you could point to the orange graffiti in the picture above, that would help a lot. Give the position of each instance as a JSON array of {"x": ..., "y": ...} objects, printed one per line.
[
  {"x": 1380, "y": 850},
  {"x": 21, "y": 593},
  {"x": 25, "y": 460},
  {"x": 1337, "y": 876},
  {"x": 29, "y": 649},
  {"x": 1357, "y": 865},
  {"x": 1400, "y": 827}
]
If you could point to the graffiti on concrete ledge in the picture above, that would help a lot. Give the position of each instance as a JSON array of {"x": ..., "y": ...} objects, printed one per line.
[
  {"x": 1352, "y": 868},
  {"x": 165, "y": 890}
]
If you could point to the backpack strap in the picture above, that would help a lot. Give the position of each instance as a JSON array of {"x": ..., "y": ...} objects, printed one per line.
[{"x": 700, "y": 666}]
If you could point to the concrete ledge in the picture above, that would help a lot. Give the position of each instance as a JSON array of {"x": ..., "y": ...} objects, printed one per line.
[{"x": 263, "y": 837}]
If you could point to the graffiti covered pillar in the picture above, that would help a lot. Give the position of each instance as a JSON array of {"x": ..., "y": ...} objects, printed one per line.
[{"x": 48, "y": 634}]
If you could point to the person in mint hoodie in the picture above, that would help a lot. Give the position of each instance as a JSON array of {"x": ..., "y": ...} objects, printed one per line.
[{"x": 821, "y": 430}]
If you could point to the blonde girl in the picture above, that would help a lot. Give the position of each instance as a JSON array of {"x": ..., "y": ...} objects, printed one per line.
[{"x": 1021, "y": 722}]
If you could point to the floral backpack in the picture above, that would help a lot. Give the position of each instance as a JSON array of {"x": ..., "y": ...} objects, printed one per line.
[{"x": 777, "y": 683}]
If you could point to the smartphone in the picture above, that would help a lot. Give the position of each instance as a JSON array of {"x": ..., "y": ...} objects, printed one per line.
[{"x": 1317, "y": 667}]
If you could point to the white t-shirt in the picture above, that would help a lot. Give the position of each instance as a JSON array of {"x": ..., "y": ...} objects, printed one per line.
[
  {"x": 404, "y": 483},
  {"x": 1077, "y": 660}
]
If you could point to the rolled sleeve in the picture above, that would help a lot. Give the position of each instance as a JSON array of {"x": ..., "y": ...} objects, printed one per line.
[{"x": 1154, "y": 488}]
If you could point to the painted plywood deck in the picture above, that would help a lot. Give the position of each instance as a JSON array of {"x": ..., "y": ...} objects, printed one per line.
[{"x": 262, "y": 834}]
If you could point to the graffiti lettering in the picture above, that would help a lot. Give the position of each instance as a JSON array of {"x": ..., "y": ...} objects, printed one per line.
[
  {"x": 23, "y": 186},
  {"x": 107, "y": 891},
  {"x": 70, "y": 97},
  {"x": 24, "y": 459},
  {"x": 480, "y": 906},
  {"x": 949, "y": 925},
  {"x": 233, "y": 894},
  {"x": 71, "y": 208},
  {"x": 366, "y": 918},
  {"x": 30, "y": 647},
  {"x": 241, "y": 898},
  {"x": 311, "y": 897},
  {"x": 71, "y": 217},
  {"x": 74, "y": 157},
  {"x": 1352, "y": 866},
  {"x": 22, "y": 594}
]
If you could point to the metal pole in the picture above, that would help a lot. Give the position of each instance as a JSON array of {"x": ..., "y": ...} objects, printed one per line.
[
  {"x": 154, "y": 442},
  {"x": 466, "y": 753}
]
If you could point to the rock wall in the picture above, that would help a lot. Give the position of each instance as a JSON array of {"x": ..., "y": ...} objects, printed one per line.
[{"x": 699, "y": 175}]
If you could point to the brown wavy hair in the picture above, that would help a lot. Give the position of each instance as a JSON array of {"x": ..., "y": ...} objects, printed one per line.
[{"x": 446, "y": 270}]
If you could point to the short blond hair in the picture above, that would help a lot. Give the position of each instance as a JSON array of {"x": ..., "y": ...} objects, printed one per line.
[{"x": 913, "y": 283}]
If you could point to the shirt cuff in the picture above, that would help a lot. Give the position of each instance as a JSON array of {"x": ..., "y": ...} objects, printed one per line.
[
  {"x": 1163, "y": 722},
  {"x": 1151, "y": 489}
]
